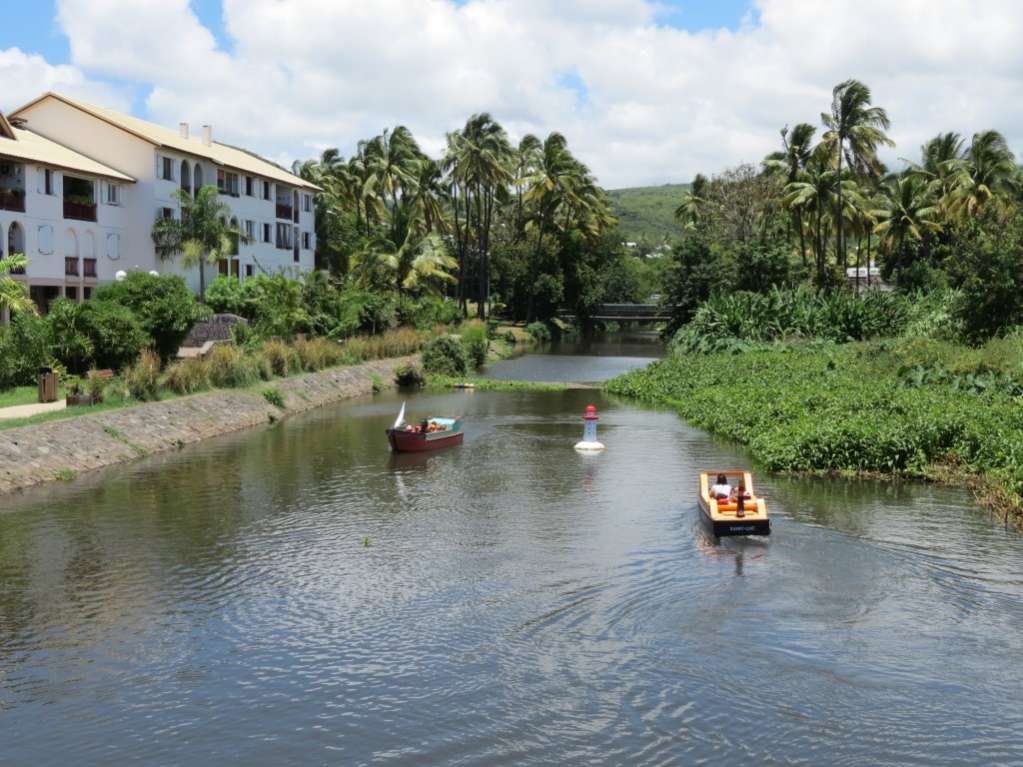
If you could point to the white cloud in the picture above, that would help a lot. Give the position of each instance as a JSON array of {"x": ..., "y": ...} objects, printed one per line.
[
  {"x": 26, "y": 75},
  {"x": 660, "y": 103}
]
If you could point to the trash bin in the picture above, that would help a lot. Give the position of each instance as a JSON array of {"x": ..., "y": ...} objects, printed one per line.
[{"x": 47, "y": 385}]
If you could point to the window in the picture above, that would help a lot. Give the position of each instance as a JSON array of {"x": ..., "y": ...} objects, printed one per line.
[
  {"x": 113, "y": 246},
  {"x": 267, "y": 230},
  {"x": 45, "y": 237},
  {"x": 227, "y": 183},
  {"x": 89, "y": 268},
  {"x": 222, "y": 267},
  {"x": 235, "y": 268},
  {"x": 307, "y": 203},
  {"x": 71, "y": 266},
  {"x": 48, "y": 182},
  {"x": 113, "y": 194},
  {"x": 249, "y": 190},
  {"x": 71, "y": 292},
  {"x": 306, "y": 240},
  {"x": 284, "y": 236},
  {"x": 166, "y": 169},
  {"x": 166, "y": 213},
  {"x": 250, "y": 231},
  {"x": 86, "y": 293},
  {"x": 266, "y": 190},
  {"x": 249, "y": 271}
]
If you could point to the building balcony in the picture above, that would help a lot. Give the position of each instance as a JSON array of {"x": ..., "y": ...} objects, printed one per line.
[
  {"x": 283, "y": 243},
  {"x": 79, "y": 211},
  {"x": 89, "y": 272},
  {"x": 284, "y": 211},
  {"x": 12, "y": 199},
  {"x": 70, "y": 267}
]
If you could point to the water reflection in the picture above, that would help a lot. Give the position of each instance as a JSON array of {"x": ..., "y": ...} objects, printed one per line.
[{"x": 300, "y": 595}]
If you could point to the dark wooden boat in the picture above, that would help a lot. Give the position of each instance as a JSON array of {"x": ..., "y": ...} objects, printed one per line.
[
  {"x": 411, "y": 439},
  {"x": 724, "y": 516}
]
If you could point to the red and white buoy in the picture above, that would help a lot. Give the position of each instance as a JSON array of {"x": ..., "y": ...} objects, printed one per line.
[{"x": 589, "y": 442}]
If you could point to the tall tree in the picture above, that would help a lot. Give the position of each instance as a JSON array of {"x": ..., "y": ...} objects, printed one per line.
[
  {"x": 797, "y": 148},
  {"x": 201, "y": 236},
  {"x": 855, "y": 130}
]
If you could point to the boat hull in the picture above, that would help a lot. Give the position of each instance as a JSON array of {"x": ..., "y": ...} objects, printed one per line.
[
  {"x": 416, "y": 442},
  {"x": 723, "y": 518}
]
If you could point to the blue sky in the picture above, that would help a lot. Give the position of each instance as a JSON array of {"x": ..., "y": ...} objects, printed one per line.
[{"x": 646, "y": 91}]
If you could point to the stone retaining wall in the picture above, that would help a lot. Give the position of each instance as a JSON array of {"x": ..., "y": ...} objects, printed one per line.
[{"x": 62, "y": 449}]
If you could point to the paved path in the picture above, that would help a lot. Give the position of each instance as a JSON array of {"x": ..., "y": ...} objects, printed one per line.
[{"x": 25, "y": 411}]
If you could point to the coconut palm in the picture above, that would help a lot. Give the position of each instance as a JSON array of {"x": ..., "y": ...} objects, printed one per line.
[
  {"x": 985, "y": 175},
  {"x": 908, "y": 215},
  {"x": 201, "y": 236},
  {"x": 13, "y": 295},
  {"x": 797, "y": 148},
  {"x": 815, "y": 194},
  {"x": 855, "y": 130}
]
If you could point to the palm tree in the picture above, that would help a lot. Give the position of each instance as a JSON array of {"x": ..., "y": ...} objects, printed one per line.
[
  {"x": 201, "y": 235},
  {"x": 985, "y": 175},
  {"x": 797, "y": 149},
  {"x": 855, "y": 130},
  {"x": 480, "y": 160},
  {"x": 526, "y": 158},
  {"x": 814, "y": 194},
  {"x": 13, "y": 296},
  {"x": 690, "y": 209},
  {"x": 908, "y": 215}
]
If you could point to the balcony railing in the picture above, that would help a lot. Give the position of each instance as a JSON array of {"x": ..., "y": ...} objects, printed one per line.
[
  {"x": 284, "y": 211},
  {"x": 18, "y": 271},
  {"x": 80, "y": 211},
  {"x": 283, "y": 243},
  {"x": 12, "y": 199},
  {"x": 90, "y": 267},
  {"x": 71, "y": 267}
]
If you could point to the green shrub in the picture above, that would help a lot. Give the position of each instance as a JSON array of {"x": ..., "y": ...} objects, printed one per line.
[
  {"x": 142, "y": 379},
  {"x": 225, "y": 295},
  {"x": 229, "y": 367},
  {"x": 409, "y": 377},
  {"x": 539, "y": 332},
  {"x": 426, "y": 312},
  {"x": 445, "y": 355},
  {"x": 364, "y": 311},
  {"x": 492, "y": 326},
  {"x": 509, "y": 338},
  {"x": 117, "y": 336},
  {"x": 70, "y": 334},
  {"x": 274, "y": 397},
  {"x": 24, "y": 348},
  {"x": 187, "y": 376},
  {"x": 163, "y": 306},
  {"x": 474, "y": 338}
]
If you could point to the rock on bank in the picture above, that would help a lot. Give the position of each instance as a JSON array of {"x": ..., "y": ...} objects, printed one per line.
[{"x": 31, "y": 455}]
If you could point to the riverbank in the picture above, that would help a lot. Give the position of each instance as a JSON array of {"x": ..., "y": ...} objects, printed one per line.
[
  {"x": 854, "y": 410},
  {"x": 61, "y": 450}
]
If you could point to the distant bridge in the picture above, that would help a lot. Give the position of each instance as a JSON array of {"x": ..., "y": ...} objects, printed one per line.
[{"x": 628, "y": 313}]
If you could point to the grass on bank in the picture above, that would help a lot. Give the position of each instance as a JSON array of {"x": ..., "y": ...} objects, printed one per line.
[
  {"x": 249, "y": 366},
  {"x": 914, "y": 408},
  {"x": 22, "y": 395}
]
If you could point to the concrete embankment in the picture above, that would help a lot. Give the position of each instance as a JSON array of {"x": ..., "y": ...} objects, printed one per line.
[{"x": 31, "y": 455}]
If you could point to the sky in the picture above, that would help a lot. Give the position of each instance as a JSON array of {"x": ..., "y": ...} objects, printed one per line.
[{"x": 645, "y": 91}]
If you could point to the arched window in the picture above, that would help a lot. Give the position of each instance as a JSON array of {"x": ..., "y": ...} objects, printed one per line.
[
  {"x": 186, "y": 177},
  {"x": 15, "y": 239},
  {"x": 113, "y": 246},
  {"x": 197, "y": 177},
  {"x": 88, "y": 245}
]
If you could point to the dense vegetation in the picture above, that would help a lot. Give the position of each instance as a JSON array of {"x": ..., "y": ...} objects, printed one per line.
[
  {"x": 951, "y": 220},
  {"x": 519, "y": 230},
  {"x": 914, "y": 407}
]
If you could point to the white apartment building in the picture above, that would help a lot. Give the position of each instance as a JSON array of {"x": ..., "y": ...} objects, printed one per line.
[
  {"x": 63, "y": 210},
  {"x": 136, "y": 168}
]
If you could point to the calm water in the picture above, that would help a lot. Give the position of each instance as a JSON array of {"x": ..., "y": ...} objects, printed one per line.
[{"x": 297, "y": 595}]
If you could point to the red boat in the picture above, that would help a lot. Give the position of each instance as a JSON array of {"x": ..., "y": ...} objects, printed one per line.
[{"x": 431, "y": 434}]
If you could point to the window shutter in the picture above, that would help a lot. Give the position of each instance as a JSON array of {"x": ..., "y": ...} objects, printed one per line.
[
  {"x": 41, "y": 181},
  {"x": 45, "y": 236}
]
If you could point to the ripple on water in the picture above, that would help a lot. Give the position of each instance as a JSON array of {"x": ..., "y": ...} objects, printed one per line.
[{"x": 300, "y": 594}]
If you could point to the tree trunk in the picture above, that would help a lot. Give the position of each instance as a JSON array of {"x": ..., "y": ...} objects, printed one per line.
[
  {"x": 841, "y": 212},
  {"x": 802, "y": 236}
]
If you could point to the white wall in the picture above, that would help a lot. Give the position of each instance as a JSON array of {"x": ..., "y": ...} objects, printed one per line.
[{"x": 142, "y": 201}]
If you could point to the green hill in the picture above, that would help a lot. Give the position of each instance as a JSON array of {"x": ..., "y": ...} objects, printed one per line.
[{"x": 648, "y": 212}]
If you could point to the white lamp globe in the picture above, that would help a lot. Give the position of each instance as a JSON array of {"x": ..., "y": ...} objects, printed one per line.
[
  {"x": 154, "y": 273},
  {"x": 121, "y": 275}
]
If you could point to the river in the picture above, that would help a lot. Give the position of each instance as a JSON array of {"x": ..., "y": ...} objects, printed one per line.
[{"x": 298, "y": 595}]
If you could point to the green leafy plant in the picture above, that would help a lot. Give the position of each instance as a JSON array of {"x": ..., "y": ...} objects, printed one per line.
[
  {"x": 445, "y": 355},
  {"x": 142, "y": 379},
  {"x": 274, "y": 397}
]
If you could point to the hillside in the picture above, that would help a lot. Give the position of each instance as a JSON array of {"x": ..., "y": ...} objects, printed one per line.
[{"x": 648, "y": 212}]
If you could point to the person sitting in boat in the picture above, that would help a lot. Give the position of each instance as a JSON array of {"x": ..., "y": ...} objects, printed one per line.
[
  {"x": 721, "y": 490},
  {"x": 740, "y": 496},
  {"x": 424, "y": 427}
]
